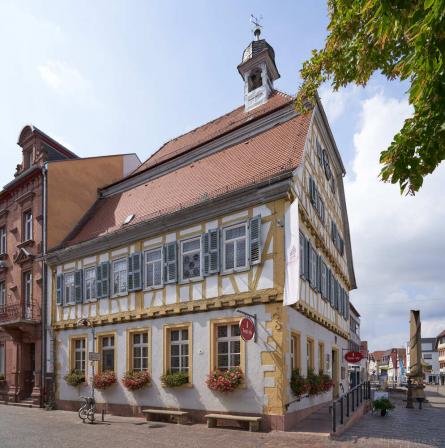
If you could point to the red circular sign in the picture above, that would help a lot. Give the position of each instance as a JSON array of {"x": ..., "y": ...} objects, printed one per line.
[
  {"x": 247, "y": 328},
  {"x": 353, "y": 357}
]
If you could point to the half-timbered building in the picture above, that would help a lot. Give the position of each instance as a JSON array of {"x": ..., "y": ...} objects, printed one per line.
[{"x": 243, "y": 214}]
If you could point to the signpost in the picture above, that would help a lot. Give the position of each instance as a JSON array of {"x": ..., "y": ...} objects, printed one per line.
[
  {"x": 247, "y": 328},
  {"x": 353, "y": 357}
]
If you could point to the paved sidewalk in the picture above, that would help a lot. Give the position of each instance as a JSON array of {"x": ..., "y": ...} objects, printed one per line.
[
  {"x": 403, "y": 427},
  {"x": 36, "y": 428}
]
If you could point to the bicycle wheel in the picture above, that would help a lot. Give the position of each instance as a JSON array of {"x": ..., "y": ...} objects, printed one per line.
[
  {"x": 83, "y": 413},
  {"x": 90, "y": 413}
]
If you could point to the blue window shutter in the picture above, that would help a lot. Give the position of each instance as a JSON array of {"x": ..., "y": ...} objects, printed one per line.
[
  {"x": 255, "y": 240},
  {"x": 78, "y": 283},
  {"x": 134, "y": 274},
  {"x": 170, "y": 262},
  {"x": 210, "y": 251},
  {"x": 105, "y": 266},
  {"x": 130, "y": 273},
  {"x": 302, "y": 256},
  {"x": 59, "y": 289},
  {"x": 306, "y": 258},
  {"x": 99, "y": 282},
  {"x": 214, "y": 251},
  {"x": 332, "y": 290},
  {"x": 347, "y": 305},
  {"x": 318, "y": 273},
  {"x": 205, "y": 249}
]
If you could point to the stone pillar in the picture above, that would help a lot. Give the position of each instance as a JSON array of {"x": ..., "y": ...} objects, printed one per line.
[
  {"x": 36, "y": 394},
  {"x": 15, "y": 386}
]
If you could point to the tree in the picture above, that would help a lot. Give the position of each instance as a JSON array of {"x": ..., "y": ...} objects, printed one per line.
[{"x": 405, "y": 40}]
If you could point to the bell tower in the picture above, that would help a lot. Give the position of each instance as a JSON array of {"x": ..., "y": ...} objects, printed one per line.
[{"x": 258, "y": 71}]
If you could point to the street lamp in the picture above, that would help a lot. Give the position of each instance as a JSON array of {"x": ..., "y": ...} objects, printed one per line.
[{"x": 84, "y": 322}]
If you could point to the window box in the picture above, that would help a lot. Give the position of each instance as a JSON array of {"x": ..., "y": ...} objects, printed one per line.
[
  {"x": 175, "y": 379},
  {"x": 136, "y": 380},
  {"x": 225, "y": 380},
  {"x": 104, "y": 380},
  {"x": 75, "y": 378}
]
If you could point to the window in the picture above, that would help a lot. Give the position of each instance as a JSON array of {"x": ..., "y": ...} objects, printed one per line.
[
  {"x": 324, "y": 280},
  {"x": 295, "y": 350},
  {"x": 27, "y": 225},
  {"x": 153, "y": 268},
  {"x": 79, "y": 354},
  {"x": 2, "y": 296},
  {"x": 427, "y": 356},
  {"x": 312, "y": 266},
  {"x": 2, "y": 359},
  {"x": 27, "y": 288},
  {"x": 3, "y": 247},
  {"x": 319, "y": 151},
  {"x": 139, "y": 346},
  {"x": 89, "y": 277},
  {"x": 235, "y": 247},
  {"x": 69, "y": 289},
  {"x": 179, "y": 350},
  {"x": 191, "y": 258},
  {"x": 255, "y": 80},
  {"x": 320, "y": 357},
  {"x": 107, "y": 353},
  {"x": 228, "y": 346},
  {"x": 120, "y": 277},
  {"x": 310, "y": 353}
]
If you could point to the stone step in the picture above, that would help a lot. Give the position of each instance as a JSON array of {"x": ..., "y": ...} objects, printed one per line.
[{"x": 23, "y": 404}]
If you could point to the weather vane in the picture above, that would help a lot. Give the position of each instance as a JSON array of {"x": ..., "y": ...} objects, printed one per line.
[{"x": 257, "y": 26}]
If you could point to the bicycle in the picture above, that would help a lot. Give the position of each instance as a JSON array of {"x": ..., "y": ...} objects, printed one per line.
[{"x": 88, "y": 409}]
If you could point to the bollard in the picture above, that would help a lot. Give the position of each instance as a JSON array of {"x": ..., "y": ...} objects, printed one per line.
[
  {"x": 103, "y": 415},
  {"x": 341, "y": 411}
]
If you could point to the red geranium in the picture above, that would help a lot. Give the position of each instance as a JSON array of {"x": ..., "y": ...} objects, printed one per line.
[
  {"x": 135, "y": 380},
  {"x": 103, "y": 380},
  {"x": 225, "y": 380}
]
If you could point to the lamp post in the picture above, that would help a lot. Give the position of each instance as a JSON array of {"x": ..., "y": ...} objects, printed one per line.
[{"x": 87, "y": 323}]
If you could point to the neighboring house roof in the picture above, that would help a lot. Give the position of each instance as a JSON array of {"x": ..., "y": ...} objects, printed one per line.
[
  {"x": 440, "y": 335},
  {"x": 270, "y": 153},
  {"x": 213, "y": 129}
]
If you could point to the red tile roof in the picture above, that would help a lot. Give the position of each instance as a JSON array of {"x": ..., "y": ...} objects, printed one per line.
[{"x": 214, "y": 129}]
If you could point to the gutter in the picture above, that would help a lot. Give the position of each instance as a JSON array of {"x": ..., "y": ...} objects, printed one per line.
[{"x": 44, "y": 297}]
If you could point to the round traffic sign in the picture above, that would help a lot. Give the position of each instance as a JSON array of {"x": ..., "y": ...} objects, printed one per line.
[{"x": 247, "y": 328}]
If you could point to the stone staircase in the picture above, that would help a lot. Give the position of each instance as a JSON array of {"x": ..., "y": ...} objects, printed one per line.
[{"x": 27, "y": 403}]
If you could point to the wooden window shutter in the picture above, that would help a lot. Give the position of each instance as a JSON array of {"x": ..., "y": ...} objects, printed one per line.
[
  {"x": 255, "y": 240},
  {"x": 78, "y": 286},
  {"x": 105, "y": 277},
  {"x": 302, "y": 245},
  {"x": 306, "y": 258},
  {"x": 318, "y": 273},
  {"x": 205, "y": 249},
  {"x": 134, "y": 273},
  {"x": 210, "y": 251},
  {"x": 99, "y": 282},
  {"x": 59, "y": 289},
  {"x": 170, "y": 262}
]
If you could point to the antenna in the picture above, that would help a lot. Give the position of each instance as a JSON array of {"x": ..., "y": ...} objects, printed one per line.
[{"x": 257, "y": 26}]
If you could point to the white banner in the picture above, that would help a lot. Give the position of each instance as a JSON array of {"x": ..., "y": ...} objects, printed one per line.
[{"x": 292, "y": 252}]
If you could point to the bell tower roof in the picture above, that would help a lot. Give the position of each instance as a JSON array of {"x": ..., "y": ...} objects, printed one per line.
[{"x": 258, "y": 70}]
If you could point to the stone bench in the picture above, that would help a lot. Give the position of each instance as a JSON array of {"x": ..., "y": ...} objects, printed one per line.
[
  {"x": 254, "y": 422},
  {"x": 180, "y": 416}
]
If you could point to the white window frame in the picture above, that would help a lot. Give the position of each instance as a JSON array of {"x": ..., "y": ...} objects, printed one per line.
[
  {"x": 235, "y": 240},
  {"x": 27, "y": 226},
  {"x": 181, "y": 256},
  {"x": 3, "y": 240},
  {"x": 113, "y": 271},
  {"x": 82, "y": 351},
  {"x": 146, "y": 263},
  {"x": 229, "y": 338},
  {"x": 89, "y": 284},
  {"x": 103, "y": 349},
  {"x": 69, "y": 299},
  {"x": 141, "y": 345},
  {"x": 2, "y": 295},
  {"x": 181, "y": 343}
]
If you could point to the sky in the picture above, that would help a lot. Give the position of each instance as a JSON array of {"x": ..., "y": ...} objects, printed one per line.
[{"x": 109, "y": 77}]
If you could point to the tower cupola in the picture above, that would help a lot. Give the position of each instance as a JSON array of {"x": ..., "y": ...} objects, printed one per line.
[{"x": 258, "y": 71}]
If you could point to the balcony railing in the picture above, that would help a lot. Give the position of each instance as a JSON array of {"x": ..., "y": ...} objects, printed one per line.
[{"x": 16, "y": 312}]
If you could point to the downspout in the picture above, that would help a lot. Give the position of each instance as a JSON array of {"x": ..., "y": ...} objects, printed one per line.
[{"x": 44, "y": 284}]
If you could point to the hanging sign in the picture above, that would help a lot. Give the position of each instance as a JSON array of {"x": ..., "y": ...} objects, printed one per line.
[
  {"x": 94, "y": 356},
  {"x": 353, "y": 357},
  {"x": 247, "y": 328}
]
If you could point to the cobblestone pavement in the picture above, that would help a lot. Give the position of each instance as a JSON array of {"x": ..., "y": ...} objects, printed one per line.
[{"x": 36, "y": 428}]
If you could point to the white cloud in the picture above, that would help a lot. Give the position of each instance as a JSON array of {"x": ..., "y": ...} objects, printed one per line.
[
  {"x": 64, "y": 79},
  {"x": 335, "y": 103},
  {"x": 398, "y": 242}
]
